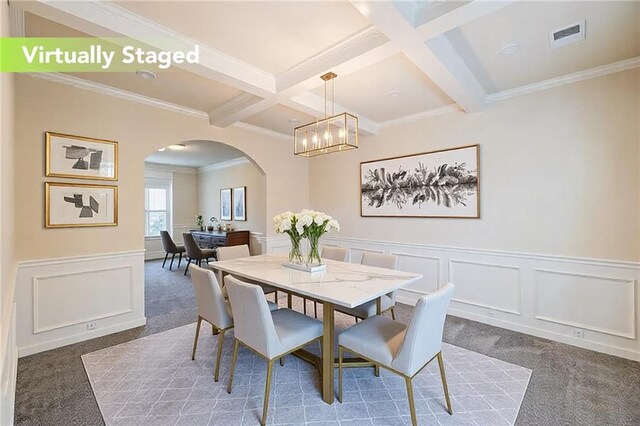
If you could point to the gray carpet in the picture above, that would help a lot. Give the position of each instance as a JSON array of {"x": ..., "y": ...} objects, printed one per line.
[{"x": 569, "y": 386}]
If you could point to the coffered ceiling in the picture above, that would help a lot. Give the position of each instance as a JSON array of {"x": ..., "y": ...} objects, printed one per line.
[{"x": 396, "y": 61}]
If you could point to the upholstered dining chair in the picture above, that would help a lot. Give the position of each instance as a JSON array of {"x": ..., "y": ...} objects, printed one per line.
[
  {"x": 340, "y": 254},
  {"x": 387, "y": 301},
  {"x": 212, "y": 308},
  {"x": 194, "y": 252},
  {"x": 170, "y": 248},
  {"x": 402, "y": 349},
  {"x": 271, "y": 335},
  {"x": 236, "y": 252}
]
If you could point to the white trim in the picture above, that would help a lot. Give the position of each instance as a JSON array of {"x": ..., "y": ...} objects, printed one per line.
[
  {"x": 420, "y": 115},
  {"x": 170, "y": 168},
  {"x": 551, "y": 83},
  {"x": 224, "y": 164},
  {"x": 505, "y": 253},
  {"x": 68, "y": 340},
  {"x": 262, "y": 130},
  {"x": 16, "y": 22},
  {"x": 34, "y": 263}
]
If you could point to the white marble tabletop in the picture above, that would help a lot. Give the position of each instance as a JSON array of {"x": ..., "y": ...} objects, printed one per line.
[{"x": 344, "y": 284}]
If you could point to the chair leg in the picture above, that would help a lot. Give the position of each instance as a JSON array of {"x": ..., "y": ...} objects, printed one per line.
[
  {"x": 165, "y": 259},
  {"x": 172, "y": 258},
  {"x": 179, "y": 260},
  {"x": 267, "y": 388},
  {"x": 216, "y": 375},
  {"x": 412, "y": 404},
  {"x": 187, "y": 268},
  {"x": 304, "y": 307},
  {"x": 282, "y": 361},
  {"x": 340, "y": 374},
  {"x": 233, "y": 364},
  {"x": 199, "y": 261},
  {"x": 393, "y": 314},
  {"x": 195, "y": 341},
  {"x": 315, "y": 309},
  {"x": 444, "y": 382},
  {"x": 376, "y": 370},
  {"x": 275, "y": 297},
  {"x": 356, "y": 320}
]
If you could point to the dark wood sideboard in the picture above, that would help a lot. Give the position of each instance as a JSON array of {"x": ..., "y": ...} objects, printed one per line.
[{"x": 214, "y": 239}]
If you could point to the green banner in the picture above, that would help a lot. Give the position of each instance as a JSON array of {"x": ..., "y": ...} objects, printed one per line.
[{"x": 88, "y": 55}]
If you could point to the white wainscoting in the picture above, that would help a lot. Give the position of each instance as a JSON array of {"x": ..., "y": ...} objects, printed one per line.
[
  {"x": 58, "y": 298},
  {"x": 554, "y": 297},
  {"x": 153, "y": 245},
  {"x": 9, "y": 366}
]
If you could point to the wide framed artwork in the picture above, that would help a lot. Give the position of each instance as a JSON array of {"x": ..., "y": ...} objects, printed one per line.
[
  {"x": 70, "y": 205},
  {"x": 444, "y": 183},
  {"x": 225, "y": 204},
  {"x": 240, "y": 203},
  {"x": 80, "y": 157}
]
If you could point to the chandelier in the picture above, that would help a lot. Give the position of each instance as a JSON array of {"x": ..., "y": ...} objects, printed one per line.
[{"x": 335, "y": 133}]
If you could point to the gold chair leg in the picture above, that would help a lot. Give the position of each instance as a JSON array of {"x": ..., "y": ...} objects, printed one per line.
[
  {"x": 412, "y": 404},
  {"x": 233, "y": 364},
  {"x": 282, "y": 361},
  {"x": 393, "y": 314},
  {"x": 195, "y": 341},
  {"x": 376, "y": 370},
  {"x": 444, "y": 382},
  {"x": 340, "y": 374},
  {"x": 267, "y": 388},
  {"x": 216, "y": 375}
]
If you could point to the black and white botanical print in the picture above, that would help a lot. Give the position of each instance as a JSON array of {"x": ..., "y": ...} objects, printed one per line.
[{"x": 437, "y": 184}]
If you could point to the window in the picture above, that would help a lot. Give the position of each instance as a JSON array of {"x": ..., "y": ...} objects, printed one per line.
[{"x": 157, "y": 208}]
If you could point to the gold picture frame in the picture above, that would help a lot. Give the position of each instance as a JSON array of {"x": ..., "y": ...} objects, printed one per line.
[
  {"x": 402, "y": 186},
  {"x": 77, "y": 205},
  {"x": 80, "y": 157}
]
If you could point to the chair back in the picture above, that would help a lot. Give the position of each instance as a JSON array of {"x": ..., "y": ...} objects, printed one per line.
[
  {"x": 253, "y": 322},
  {"x": 335, "y": 253},
  {"x": 211, "y": 304},
  {"x": 379, "y": 260},
  {"x": 190, "y": 245},
  {"x": 423, "y": 338},
  {"x": 232, "y": 252},
  {"x": 167, "y": 242}
]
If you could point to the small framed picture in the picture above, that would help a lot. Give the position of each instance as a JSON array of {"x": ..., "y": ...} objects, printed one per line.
[
  {"x": 225, "y": 204},
  {"x": 240, "y": 203},
  {"x": 70, "y": 205},
  {"x": 80, "y": 157}
]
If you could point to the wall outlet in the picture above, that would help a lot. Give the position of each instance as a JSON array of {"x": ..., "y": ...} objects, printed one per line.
[
  {"x": 578, "y": 332},
  {"x": 491, "y": 313},
  {"x": 91, "y": 325}
]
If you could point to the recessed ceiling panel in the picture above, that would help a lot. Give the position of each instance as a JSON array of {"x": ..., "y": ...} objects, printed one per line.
[
  {"x": 270, "y": 35},
  {"x": 280, "y": 119},
  {"x": 612, "y": 34},
  {"x": 387, "y": 90}
]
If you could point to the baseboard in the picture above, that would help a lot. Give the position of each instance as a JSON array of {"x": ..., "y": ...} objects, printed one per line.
[
  {"x": 80, "y": 337},
  {"x": 153, "y": 255}
]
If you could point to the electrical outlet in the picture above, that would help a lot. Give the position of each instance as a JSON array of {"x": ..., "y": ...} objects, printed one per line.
[
  {"x": 91, "y": 325},
  {"x": 491, "y": 313},
  {"x": 578, "y": 332}
]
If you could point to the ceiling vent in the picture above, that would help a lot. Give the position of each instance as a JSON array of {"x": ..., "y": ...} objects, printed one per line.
[{"x": 567, "y": 35}]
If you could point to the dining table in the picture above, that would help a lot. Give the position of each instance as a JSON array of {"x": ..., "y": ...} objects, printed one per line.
[{"x": 341, "y": 284}]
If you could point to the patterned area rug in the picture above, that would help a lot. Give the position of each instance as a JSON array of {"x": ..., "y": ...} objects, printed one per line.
[{"x": 153, "y": 381}]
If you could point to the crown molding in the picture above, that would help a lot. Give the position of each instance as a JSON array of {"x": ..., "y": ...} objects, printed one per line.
[
  {"x": 600, "y": 71},
  {"x": 224, "y": 164},
  {"x": 420, "y": 115},
  {"x": 148, "y": 165},
  {"x": 80, "y": 83}
]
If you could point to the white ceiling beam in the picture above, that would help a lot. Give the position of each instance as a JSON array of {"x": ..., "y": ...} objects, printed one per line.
[{"x": 92, "y": 17}]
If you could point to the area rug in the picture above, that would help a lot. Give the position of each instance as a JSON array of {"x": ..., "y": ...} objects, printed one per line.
[{"x": 153, "y": 381}]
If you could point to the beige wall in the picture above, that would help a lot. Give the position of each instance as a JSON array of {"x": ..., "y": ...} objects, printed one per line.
[
  {"x": 560, "y": 174},
  {"x": 185, "y": 198},
  {"x": 140, "y": 130},
  {"x": 246, "y": 174}
]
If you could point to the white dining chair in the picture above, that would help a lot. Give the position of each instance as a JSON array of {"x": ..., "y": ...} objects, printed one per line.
[
  {"x": 402, "y": 349},
  {"x": 212, "y": 308},
  {"x": 339, "y": 254},
  {"x": 237, "y": 252},
  {"x": 387, "y": 301},
  {"x": 271, "y": 335}
]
